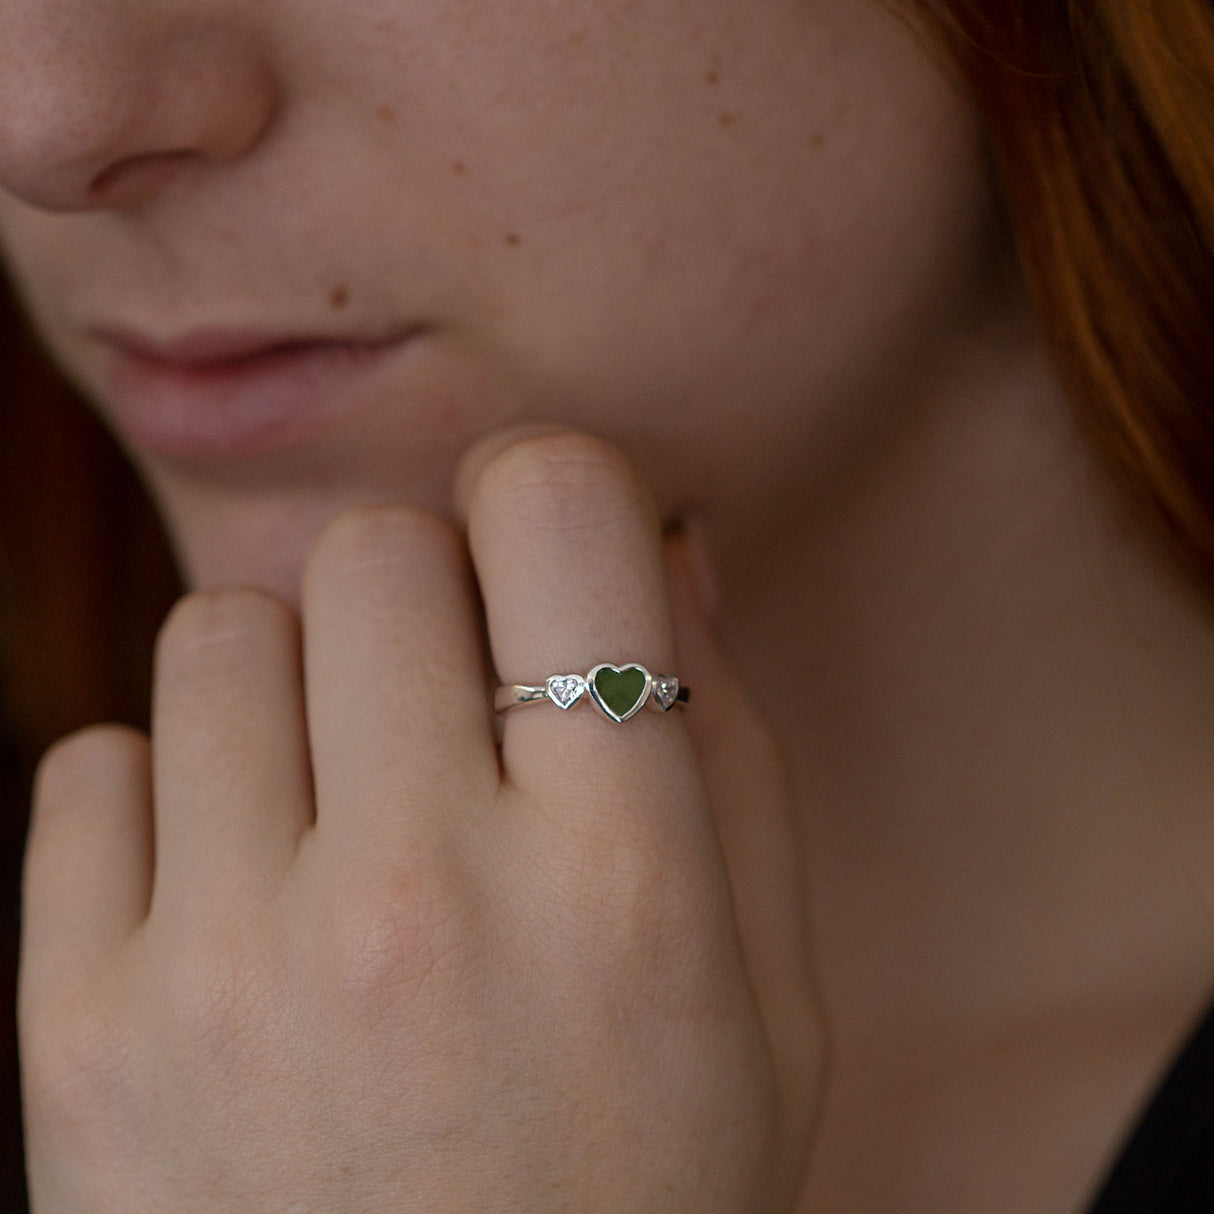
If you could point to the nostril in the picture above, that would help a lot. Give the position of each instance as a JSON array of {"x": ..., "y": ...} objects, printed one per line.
[
  {"x": 101, "y": 113},
  {"x": 125, "y": 180}
]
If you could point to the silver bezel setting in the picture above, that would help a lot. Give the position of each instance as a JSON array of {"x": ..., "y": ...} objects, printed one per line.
[
  {"x": 565, "y": 690},
  {"x": 665, "y": 691}
]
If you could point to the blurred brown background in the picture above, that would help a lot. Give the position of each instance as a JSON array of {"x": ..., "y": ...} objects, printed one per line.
[{"x": 85, "y": 578}]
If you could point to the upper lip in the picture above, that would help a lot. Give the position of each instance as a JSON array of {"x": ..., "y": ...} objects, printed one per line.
[{"x": 217, "y": 345}]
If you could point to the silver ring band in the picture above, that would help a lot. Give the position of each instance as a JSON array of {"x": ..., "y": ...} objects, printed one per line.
[{"x": 619, "y": 691}]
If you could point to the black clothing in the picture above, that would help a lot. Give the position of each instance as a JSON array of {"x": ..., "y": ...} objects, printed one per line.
[{"x": 1167, "y": 1166}]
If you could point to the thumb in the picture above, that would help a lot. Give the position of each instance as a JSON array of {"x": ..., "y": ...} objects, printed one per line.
[{"x": 746, "y": 775}]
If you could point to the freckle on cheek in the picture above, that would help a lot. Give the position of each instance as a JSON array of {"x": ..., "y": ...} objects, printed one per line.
[
  {"x": 727, "y": 119},
  {"x": 385, "y": 113},
  {"x": 339, "y": 297},
  {"x": 459, "y": 168}
]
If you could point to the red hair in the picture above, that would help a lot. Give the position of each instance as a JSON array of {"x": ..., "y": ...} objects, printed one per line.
[
  {"x": 84, "y": 570},
  {"x": 1101, "y": 118}
]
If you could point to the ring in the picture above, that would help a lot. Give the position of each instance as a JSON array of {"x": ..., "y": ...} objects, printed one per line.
[{"x": 619, "y": 691}]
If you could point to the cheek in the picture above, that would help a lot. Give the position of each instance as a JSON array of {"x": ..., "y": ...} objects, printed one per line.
[
  {"x": 785, "y": 265},
  {"x": 749, "y": 303},
  {"x": 801, "y": 181}
]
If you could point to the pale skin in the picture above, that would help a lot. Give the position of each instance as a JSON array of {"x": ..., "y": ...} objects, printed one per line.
[{"x": 907, "y": 909}]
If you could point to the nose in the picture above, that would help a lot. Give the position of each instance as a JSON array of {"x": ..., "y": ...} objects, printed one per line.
[{"x": 102, "y": 101}]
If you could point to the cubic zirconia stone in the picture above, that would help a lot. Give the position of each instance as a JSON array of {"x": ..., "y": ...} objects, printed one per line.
[
  {"x": 665, "y": 691},
  {"x": 564, "y": 690}
]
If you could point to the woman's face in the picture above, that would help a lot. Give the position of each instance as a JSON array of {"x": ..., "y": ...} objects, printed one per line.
[{"x": 302, "y": 253}]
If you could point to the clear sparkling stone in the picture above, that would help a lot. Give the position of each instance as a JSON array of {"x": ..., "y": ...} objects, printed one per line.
[
  {"x": 665, "y": 691},
  {"x": 564, "y": 690}
]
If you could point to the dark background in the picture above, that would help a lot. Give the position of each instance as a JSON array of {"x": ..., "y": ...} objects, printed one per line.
[{"x": 85, "y": 578}]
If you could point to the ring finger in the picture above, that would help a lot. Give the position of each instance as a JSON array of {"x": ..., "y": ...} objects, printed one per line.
[{"x": 567, "y": 545}]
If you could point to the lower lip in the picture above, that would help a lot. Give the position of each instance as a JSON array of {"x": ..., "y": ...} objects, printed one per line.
[{"x": 247, "y": 406}]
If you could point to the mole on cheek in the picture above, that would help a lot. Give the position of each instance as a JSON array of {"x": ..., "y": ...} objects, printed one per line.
[
  {"x": 513, "y": 239},
  {"x": 339, "y": 297}
]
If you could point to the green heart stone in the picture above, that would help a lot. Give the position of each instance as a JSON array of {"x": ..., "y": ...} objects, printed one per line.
[{"x": 621, "y": 690}]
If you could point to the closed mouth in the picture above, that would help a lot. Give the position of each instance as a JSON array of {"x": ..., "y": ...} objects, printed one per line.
[{"x": 227, "y": 392}]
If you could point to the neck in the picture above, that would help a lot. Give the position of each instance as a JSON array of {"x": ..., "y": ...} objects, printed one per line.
[{"x": 996, "y": 699}]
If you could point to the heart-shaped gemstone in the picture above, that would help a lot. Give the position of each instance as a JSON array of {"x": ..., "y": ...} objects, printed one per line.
[
  {"x": 564, "y": 690},
  {"x": 665, "y": 690},
  {"x": 619, "y": 691}
]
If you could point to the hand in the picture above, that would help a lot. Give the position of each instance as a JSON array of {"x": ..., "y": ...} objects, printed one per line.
[{"x": 322, "y": 945}]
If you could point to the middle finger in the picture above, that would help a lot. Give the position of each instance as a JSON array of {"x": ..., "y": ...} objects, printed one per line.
[{"x": 398, "y": 714}]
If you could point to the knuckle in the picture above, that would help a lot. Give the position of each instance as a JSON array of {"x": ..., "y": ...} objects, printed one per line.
[
  {"x": 76, "y": 1061},
  {"x": 564, "y": 481},
  {"x": 221, "y": 988},
  {"x": 402, "y": 941},
  {"x": 636, "y": 909},
  {"x": 70, "y": 767},
  {"x": 370, "y": 537},
  {"x": 228, "y": 617}
]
